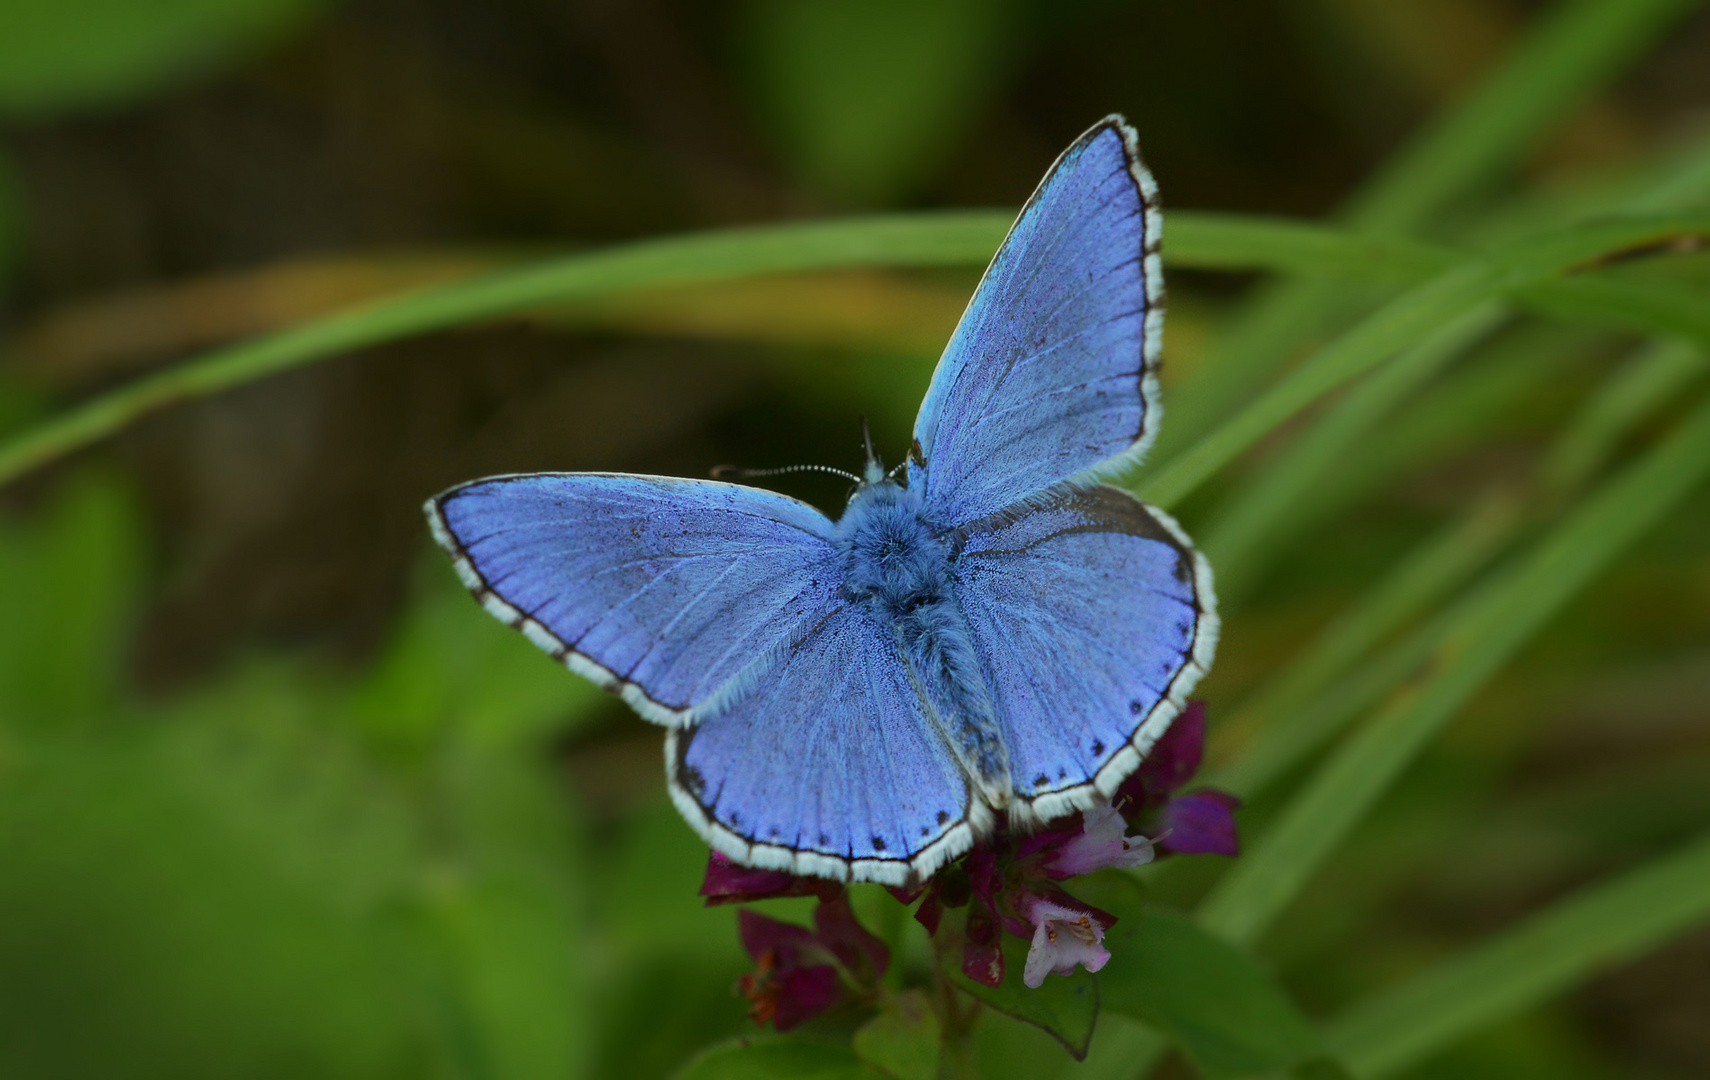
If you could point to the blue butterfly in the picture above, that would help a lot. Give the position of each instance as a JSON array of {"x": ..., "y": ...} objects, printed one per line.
[{"x": 860, "y": 699}]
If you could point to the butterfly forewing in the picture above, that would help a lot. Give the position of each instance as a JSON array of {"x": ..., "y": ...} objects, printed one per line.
[
  {"x": 1051, "y": 372},
  {"x": 660, "y": 589}
]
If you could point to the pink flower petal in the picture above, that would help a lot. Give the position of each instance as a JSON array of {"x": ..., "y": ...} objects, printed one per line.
[
  {"x": 982, "y": 956},
  {"x": 803, "y": 994},
  {"x": 1101, "y": 842},
  {"x": 786, "y": 940},
  {"x": 1062, "y": 938}
]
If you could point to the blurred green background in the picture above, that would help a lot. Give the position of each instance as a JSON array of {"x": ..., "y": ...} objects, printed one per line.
[{"x": 277, "y": 800}]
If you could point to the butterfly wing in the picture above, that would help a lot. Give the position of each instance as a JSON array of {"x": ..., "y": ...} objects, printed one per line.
[
  {"x": 1093, "y": 618},
  {"x": 661, "y": 590},
  {"x": 1052, "y": 371},
  {"x": 827, "y": 765}
]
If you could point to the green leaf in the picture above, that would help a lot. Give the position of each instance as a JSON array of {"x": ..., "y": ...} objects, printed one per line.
[
  {"x": 1525, "y": 964},
  {"x": 903, "y": 1040},
  {"x": 1218, "y": 1006},
  {"x": 1486, "y": 632},
  {"x": 1321, "y": 1068},
  {"x": 780, "y": 1058},
  {"x": 1066, "y": 1006},
  {"x": 75, "y": 54},
  {"x": 72, "y": 575}
]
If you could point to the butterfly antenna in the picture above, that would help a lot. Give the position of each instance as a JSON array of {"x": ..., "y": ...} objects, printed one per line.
[
  {"x": 875, "y": 470},
  {"x": 737, "y": 472}
]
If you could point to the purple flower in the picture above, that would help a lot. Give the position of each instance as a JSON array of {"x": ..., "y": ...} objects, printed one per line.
[
  {"x": 1064, "y": 935},
  {"x": 1098, "y": 843},
  {"x": 798, "y": 973},
  {"x": 1202, "y": 822}
]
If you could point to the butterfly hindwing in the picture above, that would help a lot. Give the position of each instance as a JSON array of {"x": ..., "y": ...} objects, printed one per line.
[
  {"x": 1051, "y": 372},
  {"x": 827, "y": 765},
  {"x": 659, "y": 589},
  {"x": 1093, "y": 618}
]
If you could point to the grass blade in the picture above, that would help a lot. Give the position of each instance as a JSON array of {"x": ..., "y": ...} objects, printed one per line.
[
  {"x": 1251, "y": 516},
  {"x": 1409, "y": 318},
  {"x": 1565, "y": 58},
  {"x": 1526, "y": 964},
  {"x": 1576, "y": 48},
  {"x": 965, "y": 238},
  {"x": 1496, "y": 623}
]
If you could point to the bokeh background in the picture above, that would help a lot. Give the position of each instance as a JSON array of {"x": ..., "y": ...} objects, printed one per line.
[{"x": 277, "y": 800}]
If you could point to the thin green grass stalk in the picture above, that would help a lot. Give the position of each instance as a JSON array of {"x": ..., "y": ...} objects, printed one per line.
[
  {"x": 1291, "y": 720},
  {"x": 1499, "y": 620},
  {"x": 1570, "y": 53},
  {"x": 1249, "y": 517},
  {"x": 1526, "y": 964},
  {"x": 1634, "y": 392},
  {"x": 920, "y": 240},
  {"x": 1293, "y": 713},
  {"x": 1407, "y": 319},
  {"x": 1565, "y": 58}
]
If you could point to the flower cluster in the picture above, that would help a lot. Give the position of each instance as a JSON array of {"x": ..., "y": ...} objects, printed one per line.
[{"x": 1010, "y": 883}]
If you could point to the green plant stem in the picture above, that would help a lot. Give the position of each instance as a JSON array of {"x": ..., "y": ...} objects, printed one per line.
[
  {"x": 1495, "y": 624},
  {"x": 1525, "y": 964}
]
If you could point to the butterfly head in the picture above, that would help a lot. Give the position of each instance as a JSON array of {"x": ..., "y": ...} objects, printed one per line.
[{"x": 874, "y": 473}]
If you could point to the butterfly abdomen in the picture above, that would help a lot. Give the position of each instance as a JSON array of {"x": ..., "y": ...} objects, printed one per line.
[{"x": 898, "y": 566}]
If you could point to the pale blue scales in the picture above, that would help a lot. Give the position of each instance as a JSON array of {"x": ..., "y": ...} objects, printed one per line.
[{"x": 1001, "y": 635}]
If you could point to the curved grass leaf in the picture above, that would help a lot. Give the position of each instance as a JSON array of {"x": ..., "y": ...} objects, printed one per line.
[
  {"x": 1576, "y": 48},
  {"x": 1292, "y": 714},
  {"x": 1490, "y": 628},
  {"x": 921, "y": 240},
  {"x": 1528, "y": 963},
  {"x": 1218, "y": 1006},
  {"x": 777, "y": 1059},
  {"x": 1408, "y": 319},
  {"x": 1629, "y": 395},
  {"x": 1289, "y": 713},
  {"x": 1066, "y": 1006},
  {"x": 1563, "y": 59},
  {"x": 1247, "y": 520}
]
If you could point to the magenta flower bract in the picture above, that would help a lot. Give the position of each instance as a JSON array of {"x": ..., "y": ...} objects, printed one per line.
[{"x": 800, "y": 973}]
